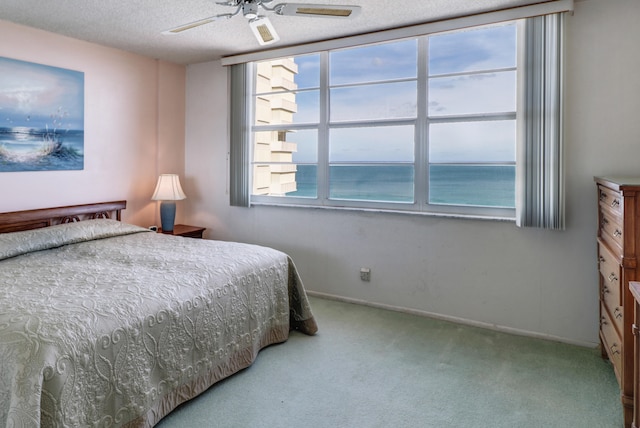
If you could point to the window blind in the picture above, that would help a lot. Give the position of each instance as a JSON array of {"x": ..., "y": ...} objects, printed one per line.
[
  {"x": 540, "y": 177},
  {"x": 240, "y": 148}
]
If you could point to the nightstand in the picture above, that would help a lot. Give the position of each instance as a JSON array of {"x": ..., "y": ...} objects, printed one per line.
[{"x": 186, "y": 231}]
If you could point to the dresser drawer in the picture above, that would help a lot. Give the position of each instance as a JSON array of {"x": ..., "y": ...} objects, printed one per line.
[
  {"x": 611, "y": 272},
  {"x": 611, "y": 232},
  {"x": 611, "y": 342},
  {"x": 610, "y": 201},
  {"x": 614, "y": 311},
  {"x": 610, "y": 289}
]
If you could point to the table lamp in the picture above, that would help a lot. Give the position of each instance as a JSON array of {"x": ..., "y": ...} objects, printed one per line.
[{"x": 168, "y": 191}]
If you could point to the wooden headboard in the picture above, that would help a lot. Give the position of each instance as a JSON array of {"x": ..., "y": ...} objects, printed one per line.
[{"x": 34, "y": 219}]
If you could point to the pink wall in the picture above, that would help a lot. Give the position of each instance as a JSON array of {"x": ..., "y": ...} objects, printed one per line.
[{"x": 134, "y": 126}]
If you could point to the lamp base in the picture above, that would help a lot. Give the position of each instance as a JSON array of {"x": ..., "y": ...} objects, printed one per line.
[{"x": 167, "y": 215}]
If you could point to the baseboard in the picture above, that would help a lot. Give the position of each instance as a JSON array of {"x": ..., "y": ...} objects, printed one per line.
[{"x": 457, "y": 320}]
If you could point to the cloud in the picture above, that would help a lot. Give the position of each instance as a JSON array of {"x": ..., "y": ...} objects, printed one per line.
[
  {"x": 492, "y": 141},
  {"x": 482, "y": 93},
  {"x": 473, "y": 49},
  {"x": 380, "y": 82},
  {"x": 371, "y": 144},
  {"x": 38, "y": 92}
]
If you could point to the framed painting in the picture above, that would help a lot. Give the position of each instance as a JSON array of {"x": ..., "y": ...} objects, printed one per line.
[{"x": 41, "y": 117}]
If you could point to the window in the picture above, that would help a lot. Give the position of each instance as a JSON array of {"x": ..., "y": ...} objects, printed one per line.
[
  {"x": 471, "y": 117},
  {"x": 342, "y": 127},
  {"x": 421, "y": 124}
]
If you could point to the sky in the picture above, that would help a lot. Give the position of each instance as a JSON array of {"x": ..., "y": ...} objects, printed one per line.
[
  {"x": 488, "y": 48},
  {"x": 36, "y": 96}
]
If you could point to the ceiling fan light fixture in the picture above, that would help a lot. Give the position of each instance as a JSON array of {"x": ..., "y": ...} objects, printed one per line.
[
  {"x": 264, "y": 31},
  {"x": 250, "y": 10}
]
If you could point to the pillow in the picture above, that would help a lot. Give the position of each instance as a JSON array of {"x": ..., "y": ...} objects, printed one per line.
[{"x": 16, "y": 243}]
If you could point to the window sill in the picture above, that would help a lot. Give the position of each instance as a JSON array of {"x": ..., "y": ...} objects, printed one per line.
[{"x": 388, "y": 211}]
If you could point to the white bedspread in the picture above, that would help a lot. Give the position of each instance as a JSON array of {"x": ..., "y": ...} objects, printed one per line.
[{"x": 107, "y": 324}]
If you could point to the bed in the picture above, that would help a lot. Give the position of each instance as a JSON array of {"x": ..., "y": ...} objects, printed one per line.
[{"x": 103, "y": 323}]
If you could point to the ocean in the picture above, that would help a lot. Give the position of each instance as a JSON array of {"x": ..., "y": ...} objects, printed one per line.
[
  {"x": 475, "y": 185},
  {"x": 33, "y": 149}
]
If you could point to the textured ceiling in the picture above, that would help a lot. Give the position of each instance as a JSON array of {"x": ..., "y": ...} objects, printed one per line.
[{"x": 136, "y": 25}]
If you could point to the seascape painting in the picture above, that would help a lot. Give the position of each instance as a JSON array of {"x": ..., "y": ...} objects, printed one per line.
[{"x": 41, "y": 117}]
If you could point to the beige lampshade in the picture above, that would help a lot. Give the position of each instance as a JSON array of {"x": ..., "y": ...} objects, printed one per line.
[{"x": 168, "y": 188}]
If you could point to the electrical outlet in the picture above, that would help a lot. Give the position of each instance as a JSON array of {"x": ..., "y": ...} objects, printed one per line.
[{"x": 365, "y": 274}]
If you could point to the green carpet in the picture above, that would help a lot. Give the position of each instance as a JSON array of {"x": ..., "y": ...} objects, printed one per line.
[{"x": 370, "y": 367}]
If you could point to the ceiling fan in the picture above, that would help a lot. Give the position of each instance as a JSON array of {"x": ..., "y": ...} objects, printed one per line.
[{"x": 260, "y": 24}]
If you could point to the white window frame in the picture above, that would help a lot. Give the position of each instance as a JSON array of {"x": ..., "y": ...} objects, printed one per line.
[{"x": 421, "y": 161}]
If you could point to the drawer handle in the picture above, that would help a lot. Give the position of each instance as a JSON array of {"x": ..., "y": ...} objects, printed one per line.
[
  {"x": 615, "y": 203},
  {"x": 603, "y": 321},
  {"x": 612, "y": 278},
  {"x": 614, "y": 349},
  {"x": 604, "y": 291},
  {"x": 601, "y": 259},
  {"x": 617, "y": 233},
  {"x": 603, "y": 196},
  {"x": 605, "y": 222},
  {"x": 617, "y": 312}
]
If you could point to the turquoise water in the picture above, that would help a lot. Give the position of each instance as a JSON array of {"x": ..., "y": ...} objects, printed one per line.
[
  {"x": 476, "y": 185},
  {"x": 28, "y": 149}
]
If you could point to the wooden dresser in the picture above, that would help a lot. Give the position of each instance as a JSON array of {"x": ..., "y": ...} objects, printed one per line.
[{"x": 618, "y": 248}]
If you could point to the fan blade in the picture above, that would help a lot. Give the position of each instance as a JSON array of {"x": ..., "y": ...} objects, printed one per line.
[
  {"x": 264, "y": 31},
  {"x": 322, "y": 10},
  {"x": 198, "y": 23}
]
